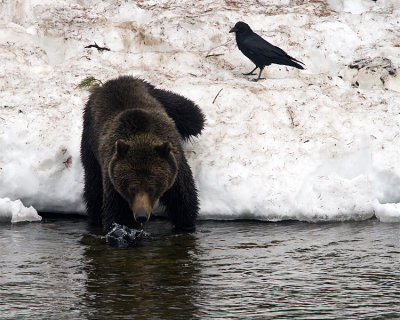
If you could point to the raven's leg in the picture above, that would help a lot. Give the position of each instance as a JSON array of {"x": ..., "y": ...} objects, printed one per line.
[
  {"x": 250, "y": 73},
  {"x": 259, "y": 75}
]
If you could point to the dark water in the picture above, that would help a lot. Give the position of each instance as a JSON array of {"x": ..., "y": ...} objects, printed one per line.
[{"x": 58, "y": 269}]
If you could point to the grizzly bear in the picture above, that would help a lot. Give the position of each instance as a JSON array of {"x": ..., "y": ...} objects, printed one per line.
[{"x": 132, "y": 155}]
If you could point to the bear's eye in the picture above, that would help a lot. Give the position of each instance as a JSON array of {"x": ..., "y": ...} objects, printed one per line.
[{"x": 133, "y": 190}]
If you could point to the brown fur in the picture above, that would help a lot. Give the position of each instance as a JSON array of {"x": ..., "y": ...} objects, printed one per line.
[{"x": 132, "y": 154}]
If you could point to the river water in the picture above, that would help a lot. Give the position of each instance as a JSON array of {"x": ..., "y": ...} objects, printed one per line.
[{"x": 60, "y": 269}]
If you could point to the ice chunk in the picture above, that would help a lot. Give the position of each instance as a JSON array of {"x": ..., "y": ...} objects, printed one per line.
[{"x": 15, "y": 211}]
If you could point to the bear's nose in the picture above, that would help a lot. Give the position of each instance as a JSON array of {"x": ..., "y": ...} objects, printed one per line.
[{"x": 141, "y": 215}]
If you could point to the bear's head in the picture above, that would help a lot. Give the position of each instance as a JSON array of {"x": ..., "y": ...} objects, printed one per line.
[{"x": 142, "y": 171}]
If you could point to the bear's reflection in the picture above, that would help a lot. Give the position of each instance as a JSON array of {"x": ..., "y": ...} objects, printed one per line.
[{"x": 155, "y": 280}]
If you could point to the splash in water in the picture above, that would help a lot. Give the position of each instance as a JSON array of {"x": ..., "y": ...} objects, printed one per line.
[{"x": 123, "y": 237}]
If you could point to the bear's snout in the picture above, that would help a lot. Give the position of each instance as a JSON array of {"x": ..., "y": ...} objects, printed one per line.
[
  {"x": 141, "y": 215},
  {"x": 141, "y": 207}
]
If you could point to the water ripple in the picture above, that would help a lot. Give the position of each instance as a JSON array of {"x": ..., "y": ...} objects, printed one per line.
[{"x": 225, "y": 270}]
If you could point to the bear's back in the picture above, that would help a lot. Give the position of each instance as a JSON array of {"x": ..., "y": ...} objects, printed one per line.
[
  {"x": 120, "y": 94},
  {"x": 118, "y": 97},
  {"x": 123, "y": 108}
]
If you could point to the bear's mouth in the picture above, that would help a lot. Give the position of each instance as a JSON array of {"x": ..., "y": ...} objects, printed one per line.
[{"x": 141, "y": 207}]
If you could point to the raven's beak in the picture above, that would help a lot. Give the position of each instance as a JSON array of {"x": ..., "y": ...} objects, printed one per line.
[{"x": 233, "y": 30}]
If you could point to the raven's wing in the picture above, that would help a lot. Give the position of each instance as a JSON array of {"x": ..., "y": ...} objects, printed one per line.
[{"x": 263, "y": 52}]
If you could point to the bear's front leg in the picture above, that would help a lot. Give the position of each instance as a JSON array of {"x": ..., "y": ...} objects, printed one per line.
[
  {"x": 92, "y": 191},
  {"x": 181, "y": 201},
  {"x": 115, "y": 208}
]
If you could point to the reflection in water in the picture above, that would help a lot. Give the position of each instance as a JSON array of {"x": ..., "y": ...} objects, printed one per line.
[
  {"x": 58, "y": 269},
  {"x": 154, "y": 280},
  {"x": 41, "y": 270},
  {"x": 294, "y": 270}
]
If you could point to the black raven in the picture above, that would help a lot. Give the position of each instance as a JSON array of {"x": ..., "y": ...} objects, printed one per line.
[{"x": 261, "y": 52}]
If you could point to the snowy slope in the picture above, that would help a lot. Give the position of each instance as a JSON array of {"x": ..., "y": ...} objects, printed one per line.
[{"x": 315, "y": 145}]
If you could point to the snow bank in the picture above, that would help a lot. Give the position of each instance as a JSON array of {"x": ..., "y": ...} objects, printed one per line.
[
  {"x": 314, "y": 145},
  {"x": 15, "y": 211}
]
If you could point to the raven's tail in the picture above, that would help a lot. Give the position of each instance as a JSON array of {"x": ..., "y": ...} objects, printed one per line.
[
  {"x": 293, "y": 63},
  {"x": 289, "y": 61}
]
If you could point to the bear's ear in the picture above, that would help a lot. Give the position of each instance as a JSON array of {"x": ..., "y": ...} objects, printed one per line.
[
  {"x": 121, "y": 148},
  {"x": 164, "y": 150}
]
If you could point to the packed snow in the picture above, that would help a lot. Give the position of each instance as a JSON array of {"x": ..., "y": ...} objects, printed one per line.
[
  {"x": 321, "y": 144},
  {"x": 15, "y": 211}
]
